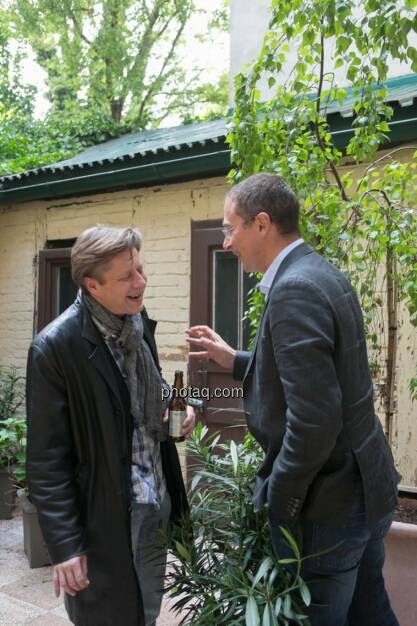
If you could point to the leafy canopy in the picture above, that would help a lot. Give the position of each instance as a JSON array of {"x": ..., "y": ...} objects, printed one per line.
[
  {"x": 121, "y": 58},
  {"x": 110, "y": 66}
]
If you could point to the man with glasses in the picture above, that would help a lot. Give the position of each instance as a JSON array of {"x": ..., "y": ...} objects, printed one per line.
[{"x": 328, "y": 473}]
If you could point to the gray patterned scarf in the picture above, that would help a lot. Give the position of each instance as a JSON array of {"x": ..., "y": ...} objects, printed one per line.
[{"x": 144, "y": 381}]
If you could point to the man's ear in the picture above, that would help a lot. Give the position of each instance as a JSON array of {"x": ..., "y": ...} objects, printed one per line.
[
  {"x": 263, "y": 220},
  {"x": 90, "y": 284}
]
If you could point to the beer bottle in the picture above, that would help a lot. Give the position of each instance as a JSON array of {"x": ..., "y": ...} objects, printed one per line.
[{"x": 177, "y": 408}]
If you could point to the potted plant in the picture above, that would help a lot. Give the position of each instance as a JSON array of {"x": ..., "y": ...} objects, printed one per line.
[
  {"x": 12, "y": 436},
  {"x": 12, "y": 466},
  {"x": 225, "y": 570},
  {"x": 33, "y": 542},
  {"x": 401, "y": 562},
  {"x": 12, "y": 442}
]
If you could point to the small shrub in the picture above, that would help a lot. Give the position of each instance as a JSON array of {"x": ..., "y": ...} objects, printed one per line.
[
  {"x": 11, "y": 392},
  {"x": 12, "y": 425},
  {"x": 225, "y": 570}
]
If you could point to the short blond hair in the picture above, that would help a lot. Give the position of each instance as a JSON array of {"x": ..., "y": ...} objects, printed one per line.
[{"x": 96, "y": 246}]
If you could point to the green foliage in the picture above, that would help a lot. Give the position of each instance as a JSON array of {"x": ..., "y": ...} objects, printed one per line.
[
  {"x": 367, "y": 227},
  {"x": 12, "y": 426},
  {"x": 207, "y": 101},
  {"x": 225, "y": 570},
  {"x": 254, "y": 312},
  {"x": 117, "y": 58},
  {"x": 13, "y": 446},
  {"x": 11, "y": 393},
  {"x": 26, "y": 142},
  {"x": 111, "y": 67}
]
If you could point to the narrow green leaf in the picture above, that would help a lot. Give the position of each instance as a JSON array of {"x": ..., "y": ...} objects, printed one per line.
[
  {"x": 233, "y": 453},
  {"x": 265, "y": 565},
  {"x": 182, "y": 551},
  {"x": 195, "y": 481},
  {"x": 286, "y": 607},
  {"x": 292, "y": 542},
  {"x": 273, "y": 576},
  {"x": 305, "y": 592},
  {"x": 266, "y": 621},
  {"x": 252, "y": 614},
  {"x": 278, "y": 606}
]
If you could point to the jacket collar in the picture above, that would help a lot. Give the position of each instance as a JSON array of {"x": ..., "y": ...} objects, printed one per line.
[
  {"x": 294, "y": 256},
  {"x": 97, "y": 353}
]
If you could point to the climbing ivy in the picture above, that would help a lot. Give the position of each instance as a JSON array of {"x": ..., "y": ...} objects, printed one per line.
[{"x": 367, "y": 226}]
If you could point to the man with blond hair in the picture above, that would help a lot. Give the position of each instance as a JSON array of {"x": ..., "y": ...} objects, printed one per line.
[{"x": 102, "y": 471}]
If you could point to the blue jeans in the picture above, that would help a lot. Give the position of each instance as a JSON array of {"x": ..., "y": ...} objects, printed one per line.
[
  {"x": 150, "y": 553},
  {"x": 346, "y": 584}
]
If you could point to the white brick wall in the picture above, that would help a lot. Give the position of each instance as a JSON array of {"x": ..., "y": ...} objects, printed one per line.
[{"x": 163, "y": 214}]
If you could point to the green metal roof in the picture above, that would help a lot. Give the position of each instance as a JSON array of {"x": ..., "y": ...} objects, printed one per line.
[
  {"x": 153, "y": 141},
  {"x": 402, "y": 89},
  {"x": 183, "y": 152}
]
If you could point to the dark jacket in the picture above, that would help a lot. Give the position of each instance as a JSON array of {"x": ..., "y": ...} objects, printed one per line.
[
  {"x": 78, "y": 463},
  {"x": 308, "y": 399}
]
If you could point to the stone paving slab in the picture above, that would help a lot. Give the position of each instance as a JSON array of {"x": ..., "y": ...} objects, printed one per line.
[
  {"x": 35, "y": 588},
  {"x": 26, "y": 595},
  {"x": 14, "y": 612},
  {"x": 49, "y": 619}
]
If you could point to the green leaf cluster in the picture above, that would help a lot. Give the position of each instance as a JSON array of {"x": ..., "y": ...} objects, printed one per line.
[
  {"x": 367, "y": 227},
  {"x": 225, "y": 570},
  {"x": 11, "y": 393},
  {"x": 13, "y": 446},
  {"x": 12, "y": 425}
]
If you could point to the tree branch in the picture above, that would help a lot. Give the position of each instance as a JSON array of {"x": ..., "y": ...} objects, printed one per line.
[
  {"x": 157, "y": 80},
  {"x": 384, "y": 156},
  {"x": 77, "y": 26},
  {"x": 317, "y": 125}
]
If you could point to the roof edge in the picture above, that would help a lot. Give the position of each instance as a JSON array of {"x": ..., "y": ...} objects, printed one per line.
[{"x": 167, "y": 171}]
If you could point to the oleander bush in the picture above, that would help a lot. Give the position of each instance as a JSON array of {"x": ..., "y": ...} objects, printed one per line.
[{"x": 225, "y": 570}]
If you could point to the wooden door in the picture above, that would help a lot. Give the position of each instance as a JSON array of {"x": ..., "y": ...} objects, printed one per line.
[{"x": 218, "y": 298}]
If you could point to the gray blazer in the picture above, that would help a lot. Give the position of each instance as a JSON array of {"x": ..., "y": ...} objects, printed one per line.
[{"x": 308, "y": 399}]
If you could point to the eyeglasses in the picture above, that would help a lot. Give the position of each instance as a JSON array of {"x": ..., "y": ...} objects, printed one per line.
[{"x": 228, "y": 231}]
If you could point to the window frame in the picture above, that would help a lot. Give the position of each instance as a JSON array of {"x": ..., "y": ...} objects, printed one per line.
[
  {"x": 239, "y": 321},
  {"x": 49, "y": 259}
]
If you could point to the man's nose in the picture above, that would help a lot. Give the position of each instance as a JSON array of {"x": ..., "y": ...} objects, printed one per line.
[
  {"x": 226, "y": 243},
  {"x": 140, "y": 280}
]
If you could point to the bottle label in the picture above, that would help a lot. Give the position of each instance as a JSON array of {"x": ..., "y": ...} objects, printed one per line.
[{"x": 176, "y": 420}]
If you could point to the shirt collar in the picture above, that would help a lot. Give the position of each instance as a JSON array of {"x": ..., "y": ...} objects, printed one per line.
[{"x": 268, "y": 277}]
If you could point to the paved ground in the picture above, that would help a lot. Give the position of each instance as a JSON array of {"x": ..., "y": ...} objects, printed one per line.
[{"x": 26, "y": 595}]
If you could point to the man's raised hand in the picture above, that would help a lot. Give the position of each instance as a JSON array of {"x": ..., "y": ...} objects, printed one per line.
[{"x": 214, "y": 347}]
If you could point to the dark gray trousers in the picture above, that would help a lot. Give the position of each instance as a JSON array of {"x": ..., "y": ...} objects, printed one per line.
[{"x": 149, "y": 553}]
